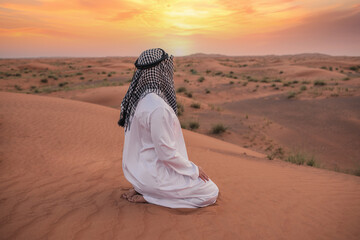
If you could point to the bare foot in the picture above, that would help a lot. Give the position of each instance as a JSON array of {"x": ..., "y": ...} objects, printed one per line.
[
  {"x": 137, "y": 198},
  {"x": 129, "y": 193}
]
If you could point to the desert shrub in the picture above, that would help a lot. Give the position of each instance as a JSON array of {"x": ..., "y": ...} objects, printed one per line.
[
  {"x": 354, "y": 68},
  {"x": 277, "y": 153},
  {"x": 277, "y": 80},
  {"x": 201, "y": 79},
  {"x": 62, "y": 84},
  {"x": 273, "y": 85},
  {"x": 194, "y": 125},
  {"x": 186, "y": 80},
  {"x": 218, "y": 73},
  {"x": 305, "y": 82},
  {"x": 195, "y": 105},
  {"x": 208, "y": 71},
  {"x": 303, "y": 88},
  {"x": 82, "y": 78},
  {"x": 181, "y": 89},
  {"x": 89, "y": 66},
  {"x": 188, "y": 94},
  {"x": 346, "y": 79},
  {"x": 300, "y": 158},
  {"x": 218, "y": 128},
  {"x": 207, "y": 91},
  {"x": 193, "y": 71},
  {"x": 17, "y": 87},
  {"x": 287, "y": 84},
  {"x": 109, "y": 75},
  {"x": 79, "y": 74},
  {"x": 311, "y": 162},
  {"x": 291, "y": 94},
  {"x": 18, "y": 75},
  {"x": 295, "y": 81},
  {"x": 323, "y": 67},
  {"x": 319, "y": 83},
  {"x": 180, "y": 109},
  {"x": 245, "y": 83},
  {"x": 330, "y": 68},
  {"x": 44, "y": 80},
  {"x": 231, "y": 82},
  {"x": 281, "y": 72},
  {"x": 356, "y": 172},
  {"x": 296, "y": 158}
]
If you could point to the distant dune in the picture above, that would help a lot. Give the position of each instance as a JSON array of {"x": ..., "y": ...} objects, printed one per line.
[
  {"x": 235, "y": 91},
  {"x": 61, "y": 178}
]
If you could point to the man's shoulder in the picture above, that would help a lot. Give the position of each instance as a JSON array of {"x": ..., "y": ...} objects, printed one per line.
[
  {"x": 153, "y": 106},
  {"x": 151, "y": 102}
]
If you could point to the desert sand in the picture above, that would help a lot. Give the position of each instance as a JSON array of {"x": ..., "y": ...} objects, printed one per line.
[
  {"x": 280, "y": 106},
  {"x": 61, "y": 178}
]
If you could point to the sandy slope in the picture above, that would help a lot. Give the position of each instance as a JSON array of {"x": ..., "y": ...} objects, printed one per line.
[{"x": 61, "y": 178}]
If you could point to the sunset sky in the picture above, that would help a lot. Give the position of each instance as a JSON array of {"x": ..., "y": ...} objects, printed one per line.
[{"x": 35, "y": 28}]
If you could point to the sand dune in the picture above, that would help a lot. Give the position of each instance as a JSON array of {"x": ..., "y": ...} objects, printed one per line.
[
  {"x": 221, "y": 84},
  {"x": 61, "y": 178}
]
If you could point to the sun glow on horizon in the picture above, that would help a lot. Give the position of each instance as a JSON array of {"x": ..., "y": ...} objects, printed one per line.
[{"x": 119, "y": 27}]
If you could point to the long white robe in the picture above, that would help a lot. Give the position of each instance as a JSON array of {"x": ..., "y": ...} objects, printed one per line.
[{"x": 155, "y": 159}]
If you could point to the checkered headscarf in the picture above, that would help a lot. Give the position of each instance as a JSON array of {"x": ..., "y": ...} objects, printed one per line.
[{"x": 156, "y": 77}]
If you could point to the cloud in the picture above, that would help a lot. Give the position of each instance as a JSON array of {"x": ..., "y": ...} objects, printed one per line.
[
  {"x": 32, "y": 31},
  {"x": 334, "y": 32}
]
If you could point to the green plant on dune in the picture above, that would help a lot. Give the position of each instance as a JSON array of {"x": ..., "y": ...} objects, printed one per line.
[
  {"x": 218, "y": 128},
  {"x": 319, "y": 83},
  {"x": 180, "y": 109},
  {"x": 303, "y": 88},
  {"x": 195, "y": 105},
  {"x": 301, "y": 158},
  {"x": 194, "y": 125},
  {"x": 181, "y": 89},
  {"x": 193, "y": 71},
  {"x": 277, "y": 153},
  {"x": 291, "y": 94}
]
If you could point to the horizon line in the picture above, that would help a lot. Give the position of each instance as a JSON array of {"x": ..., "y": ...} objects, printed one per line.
[{"x": 189, "y": 55}]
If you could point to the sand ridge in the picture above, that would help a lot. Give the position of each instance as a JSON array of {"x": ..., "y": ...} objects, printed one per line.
[
  {"x": 215, "y": 89},
  {"x": 61, "y": 178}
]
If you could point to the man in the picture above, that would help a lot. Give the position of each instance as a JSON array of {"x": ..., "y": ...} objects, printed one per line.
[{"x": 155, "y": 159}]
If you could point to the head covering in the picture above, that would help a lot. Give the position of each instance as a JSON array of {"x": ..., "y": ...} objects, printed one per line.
[{"x": 154, "y": 74}]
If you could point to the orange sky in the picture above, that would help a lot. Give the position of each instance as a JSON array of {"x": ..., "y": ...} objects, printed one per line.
[{"x": 119, "y": 28}]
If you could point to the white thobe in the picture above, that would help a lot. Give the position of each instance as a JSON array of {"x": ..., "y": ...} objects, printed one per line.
[{"x": 155, "y": 159}]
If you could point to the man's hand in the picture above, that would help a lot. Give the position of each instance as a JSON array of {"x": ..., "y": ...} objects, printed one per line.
[{"x": 203, "y": 175}]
